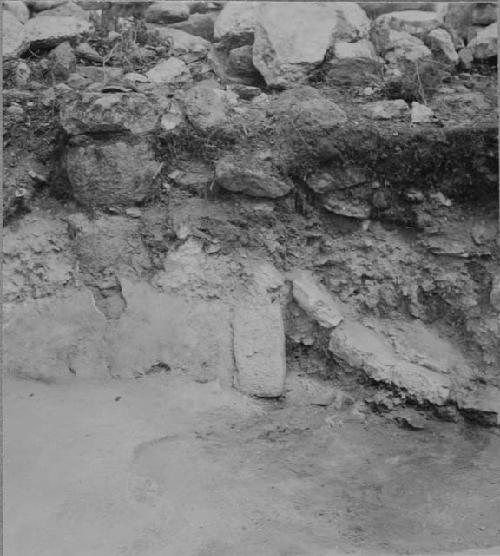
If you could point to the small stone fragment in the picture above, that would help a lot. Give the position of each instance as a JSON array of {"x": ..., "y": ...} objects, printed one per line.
[
  {"x": 23, "y": 74},
  {"x": 421, "y": 114},
  {"x": 63, "y": 61},
  {"x": 170, "y": 71},
  {"x": 86, "y": 52},
  {"x": 495, "y": 292},
  {"x": 315, "y": 299},
  {"x": 386, "y": 109}
]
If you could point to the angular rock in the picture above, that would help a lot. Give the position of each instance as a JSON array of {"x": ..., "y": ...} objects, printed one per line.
[
  {"x": 484, "y": 13},
  {"x": 99, "y": 74},
  {"x": 259, "y": 348},
  {"x": 113, "y": 173},
  {"x": 441, "y": 45},
  {"x": 67, "y": 9},
  {"x": 313, "y": 298},
  {"x": 343, "y": 205},
  {"x": 171, "y": 71},
  {"x": 354, "y": 64},
  {"x": 22, "y": 74},
  {"x": 246, "y": 92},
  {"x": 399, "y": 45},
  {"x": 183, "y": 45},
  {"x": 308, "y": 109},
  {"x": 104, "y": 113},
  {"x": 17, "y": 8},
  {"x": 167, "y": 12},
  {"x": 86, "y": 52},
  {"x": 48, "y": 32},
  {"x": 363, "y": 349},
  {"x": 173, "y": 118},
  {"x": 290, "y": 43},
  {"x": 253, "y": 175},
  {"x": 14, "y": 40},
  {"x": 386, "y": 109},
  {"x": 207, "y": 107},
  {"x": 193, "y": 177},
  {"x": 235, "y": 24},
  {"x": 62, "y": 61},
  {"x": 485, "y": 45},
  {"x": 421, "y": 114},
  {"x": 198, "y": 25},
  {"x": 240, "y": 61},
  {"x": 340, "y": 178},
  {"x": 360, "y": 49},
  {"x": 40, "y": 5},
  {"x": 465, "y": 58},
  {"x": 414, "y": 22}
]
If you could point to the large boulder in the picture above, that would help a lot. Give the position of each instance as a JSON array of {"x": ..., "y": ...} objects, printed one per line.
[
  {"x": 14, "y": 40},
  {"x": 111, "y": 173},
  {"x": 253, "y": 174},
  {"x": 199, "y": 25},
  {"x": 167, "y": 12},
  {"x": 291, "y": 42},
  {"x": 259, "y": 348},
  {"x": 48, "y": 32},
  {"x": 105, "y": 113},
  {"x": 414, "y": 22},
  {"x": 17, "y": 8},
  {"x": 235, "y": 24},
  {"x": 485, "y": 45}
]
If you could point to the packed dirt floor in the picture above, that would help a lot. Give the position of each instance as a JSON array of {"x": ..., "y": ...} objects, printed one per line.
[{"x": 167, "y": 465}]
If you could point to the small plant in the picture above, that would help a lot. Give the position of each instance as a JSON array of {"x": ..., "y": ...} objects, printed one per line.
[{"x": 418, "y": 81}]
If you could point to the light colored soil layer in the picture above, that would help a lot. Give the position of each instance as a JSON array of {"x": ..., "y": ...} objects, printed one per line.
[{"x": 167, "y": 466}]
